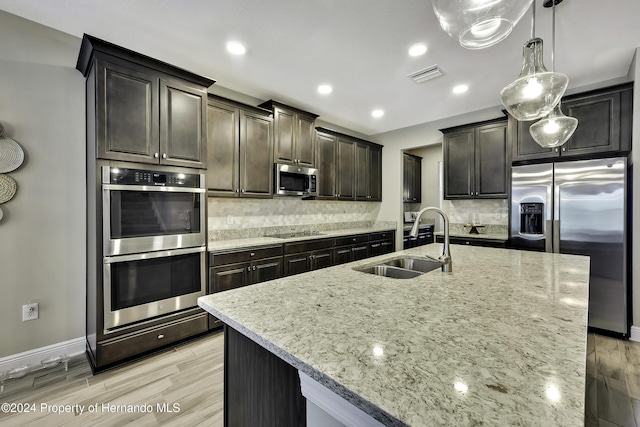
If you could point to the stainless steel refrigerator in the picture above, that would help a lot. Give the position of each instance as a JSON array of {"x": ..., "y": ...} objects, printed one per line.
[{"x": 579, "y": 207}]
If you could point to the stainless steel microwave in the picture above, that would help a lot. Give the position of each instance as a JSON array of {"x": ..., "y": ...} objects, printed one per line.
[{"x": 293, "y": 180}]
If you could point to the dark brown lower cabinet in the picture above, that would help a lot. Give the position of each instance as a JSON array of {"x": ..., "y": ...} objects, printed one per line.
[
  {"x": 300, "y": 257},
  {"x": 382, "y": 243},
  {"x": 473, "y": 241},
  {"x": 260, "y": 389}
]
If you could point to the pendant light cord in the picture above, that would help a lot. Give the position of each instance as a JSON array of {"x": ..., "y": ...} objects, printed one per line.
[
  {"x": 533, "y": 19},
  {"x": 553, "y": 36}
]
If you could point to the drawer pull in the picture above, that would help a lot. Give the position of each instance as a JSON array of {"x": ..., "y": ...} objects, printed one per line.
[
  {"x": 253, "y": 253},
  {"x": 160, "y": 336}
]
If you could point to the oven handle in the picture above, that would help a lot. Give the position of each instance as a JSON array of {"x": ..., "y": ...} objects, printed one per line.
[
  {"x": 151, "y": 188},
  {"x": 152, "y": 255}
]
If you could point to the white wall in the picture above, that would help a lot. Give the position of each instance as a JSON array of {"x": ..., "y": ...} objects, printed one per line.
[{"x": 42, "y": 234}]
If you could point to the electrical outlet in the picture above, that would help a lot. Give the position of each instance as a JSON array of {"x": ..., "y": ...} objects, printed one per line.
[{"x": 30, "y": 311}]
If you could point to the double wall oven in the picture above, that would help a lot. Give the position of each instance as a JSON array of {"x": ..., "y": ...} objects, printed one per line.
[{"x": 153, "y": 243}]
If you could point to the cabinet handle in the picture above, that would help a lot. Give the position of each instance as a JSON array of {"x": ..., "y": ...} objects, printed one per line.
[
  {"x": 253, "y": 253},
  {"x": 254, "y": 268},
  {"x": 556, "y": 150},
  {"x": 564, "y": 148},
  {"x": 160, "y": 336},
  {"x": 249, "y": 268},
  {"x": 156, "y": 155},
  {"x": 164, "y": 155},
  {"x": 242, "y": 190}
]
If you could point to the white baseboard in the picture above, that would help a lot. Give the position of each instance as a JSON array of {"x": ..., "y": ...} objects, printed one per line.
[
  {"x": 635, "y": 333},
  {"x": 33, "y": 358}
]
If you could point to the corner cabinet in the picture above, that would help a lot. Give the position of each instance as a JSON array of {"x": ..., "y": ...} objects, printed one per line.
[
  {"x": 240, "y": 150},
  {"x": 477, "y": 161},
  {"x": 294, "y": 134},
  {"x": 604, "y": 127},
  {"x": 349, "y": 168},
  {"x": 411, "y": 178},
  {"x": 142, "y": 110}
]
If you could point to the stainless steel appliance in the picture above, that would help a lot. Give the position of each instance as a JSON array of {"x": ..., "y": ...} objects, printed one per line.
[
  {"x": 579, "y": 207},
  {"x": 293, "y": 180},
  {"x": 154, "y": 243},
  {"x": 146, "y": 210}
]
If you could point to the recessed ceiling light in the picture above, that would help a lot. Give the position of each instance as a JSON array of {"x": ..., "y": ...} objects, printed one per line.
[
  {"x": 417, "y": 49},
  {"x": 377, "y": 113},
  {"x": 460, "y": 89},
  {"x": 236, "y": 48},
  {"x": 325, "y": 89}
]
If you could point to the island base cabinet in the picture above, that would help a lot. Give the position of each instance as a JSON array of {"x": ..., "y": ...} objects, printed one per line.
[{"x": 260, "y": 389}]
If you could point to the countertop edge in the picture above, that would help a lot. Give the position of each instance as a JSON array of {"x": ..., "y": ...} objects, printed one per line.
[{"x": 353, "y": 398}]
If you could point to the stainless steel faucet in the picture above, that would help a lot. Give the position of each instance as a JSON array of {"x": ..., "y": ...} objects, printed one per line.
[{"x": 445, "y": 258}]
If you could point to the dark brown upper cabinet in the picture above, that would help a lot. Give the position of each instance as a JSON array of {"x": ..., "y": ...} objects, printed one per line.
[
  {"x": 604, "y": 127},
  {"x": 477, "y": 161},
  {"x": 240, "y": 149},
  {"x": 141, "y": 109},
  {"x": 294, "y": 134},
  {"x": 411, "y": 178},
  {"x": 349, "y": 168}
]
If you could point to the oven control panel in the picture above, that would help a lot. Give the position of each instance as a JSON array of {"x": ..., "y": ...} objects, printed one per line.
[{"x": 124, "y": 176}]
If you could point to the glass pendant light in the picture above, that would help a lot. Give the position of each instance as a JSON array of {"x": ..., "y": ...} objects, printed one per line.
[
  {"x": 477, "y": 24},
  {"x": 555, "y": 129},
  {"x": 536, "y": 91}
]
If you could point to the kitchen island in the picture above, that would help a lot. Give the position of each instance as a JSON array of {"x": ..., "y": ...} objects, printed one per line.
[{"x": 499, "y": 341}]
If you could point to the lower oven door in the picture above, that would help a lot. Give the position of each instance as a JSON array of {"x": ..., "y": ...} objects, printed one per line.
[{"x": 139, "y": 287}]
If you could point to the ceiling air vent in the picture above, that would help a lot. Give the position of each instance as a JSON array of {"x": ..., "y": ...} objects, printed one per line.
[{"x": 426, "y": 74}]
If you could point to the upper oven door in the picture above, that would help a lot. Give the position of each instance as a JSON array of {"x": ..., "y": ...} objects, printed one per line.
[{"x": 144, "y": 218}]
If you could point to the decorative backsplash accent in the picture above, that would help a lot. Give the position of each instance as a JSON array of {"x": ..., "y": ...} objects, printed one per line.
[
  {"x": 244, "y": 218},
  {"x": 487, "y": 212}
]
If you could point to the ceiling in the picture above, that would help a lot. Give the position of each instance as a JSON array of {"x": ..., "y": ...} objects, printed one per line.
[{"x": 357, "y": 46}]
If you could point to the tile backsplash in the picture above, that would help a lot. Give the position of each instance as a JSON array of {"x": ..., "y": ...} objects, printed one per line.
[
  {"x": 231, "y": 218},
  {"x": 487, "y": 211}
]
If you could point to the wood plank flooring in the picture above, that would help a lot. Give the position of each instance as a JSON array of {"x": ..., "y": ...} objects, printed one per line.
[{"x": 191, "y": 375}]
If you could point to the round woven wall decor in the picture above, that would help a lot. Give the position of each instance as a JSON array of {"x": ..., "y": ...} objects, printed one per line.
[{"x": 7, "y": 188}]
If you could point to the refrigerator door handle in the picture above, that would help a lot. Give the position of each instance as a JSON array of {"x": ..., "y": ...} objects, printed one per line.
[
  {"x": 556, "y": 236},
  {"x": 548, "y": 246}
]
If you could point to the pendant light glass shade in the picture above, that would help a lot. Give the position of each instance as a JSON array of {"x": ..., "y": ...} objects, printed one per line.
[
  {"x": 537, "y": 91},
  {"x": 477, "y": 24},
  {"x": 554, "y": 130}
]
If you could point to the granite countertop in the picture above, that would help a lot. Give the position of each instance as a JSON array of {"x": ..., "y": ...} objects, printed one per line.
[
  {"x": 223, "y": 245},
  {"x": 499, "y": 341}
]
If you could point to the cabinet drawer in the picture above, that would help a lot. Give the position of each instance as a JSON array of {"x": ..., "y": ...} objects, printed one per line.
[
  {"x": 134, "y": 344},
  {"x": 245, "y": 255},
  {"x": 307, "y": 245},
  {"x": 382, "y": 235},
  {"x": 473, "y": 241},
  {"x": 351, "y": 240}
]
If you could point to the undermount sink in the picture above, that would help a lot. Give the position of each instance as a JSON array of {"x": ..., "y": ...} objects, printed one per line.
[
  {"x": 402, "y": 268},
  {"x": 393, "y": 272},
  {"x": 422, "y": 265}
]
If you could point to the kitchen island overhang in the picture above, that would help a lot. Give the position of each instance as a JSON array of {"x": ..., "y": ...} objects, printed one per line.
[{"x": 501, "y": 340}]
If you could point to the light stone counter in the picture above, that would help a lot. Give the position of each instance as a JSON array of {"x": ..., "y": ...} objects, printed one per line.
[
  {"x": 499, "y": 341},
  {"x": 224, "y": 245}
]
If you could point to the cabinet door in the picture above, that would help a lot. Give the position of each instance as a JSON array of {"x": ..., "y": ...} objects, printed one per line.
[
  {"x": 492, "y": 162},
  {"x": 326, "y": 163},
  {"x": 284, "y": 135},
  {"x": 412, "y": 179},
  {"x": 361, "y": 169},
  {"x": 375, "y": 173},
  {"x": 345, "y": 169},
  {"x": 321, "y": 259},
  {"x": 256, "y": 155},
  {"x": 459, "y": 167},
  {"x": 296, "y": 264},
  {"x": 266, "y": 269},
  {"x": 182, "y": 124},
  {"x": 525, "y": 147},
  {"x": 305, "y": 141},
  {"x": 223, "y": 149},
  {"x": 360, "y": 252},
  {"x": 228, "y": 277},
  {"x": 127, "y": 112},
  {"x": 598, "y": 128},
  {"x": 342, "y": 254}
]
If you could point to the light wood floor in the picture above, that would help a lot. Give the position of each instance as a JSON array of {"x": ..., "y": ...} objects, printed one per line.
[{"x": 191, "y": 375}]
